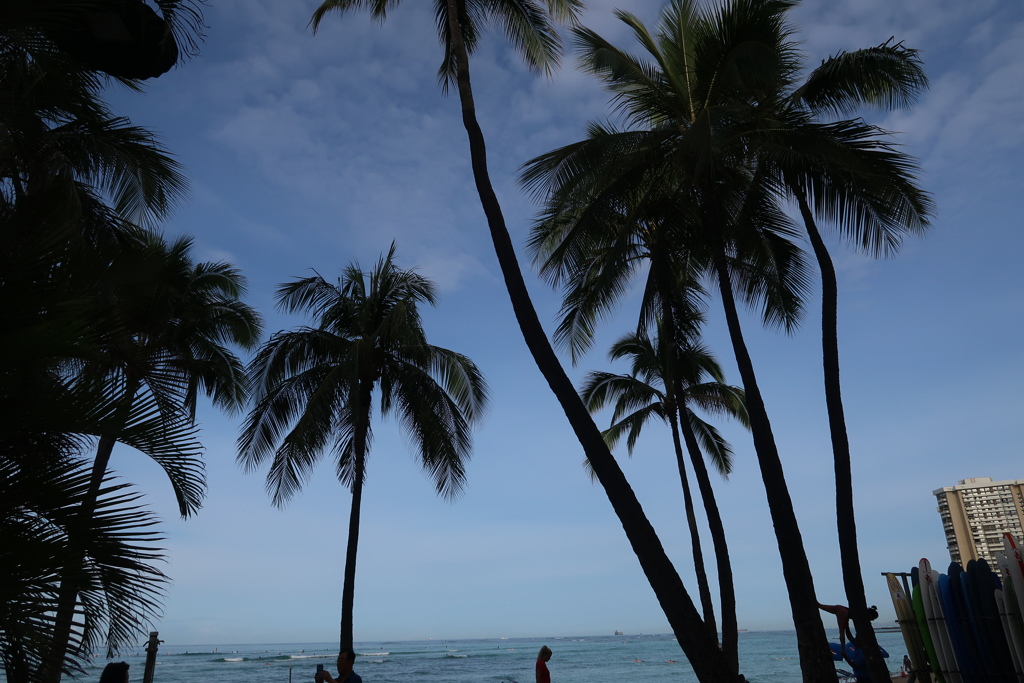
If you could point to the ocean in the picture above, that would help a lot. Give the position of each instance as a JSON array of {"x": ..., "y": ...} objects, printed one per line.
[{"x": 765, "y": 657}]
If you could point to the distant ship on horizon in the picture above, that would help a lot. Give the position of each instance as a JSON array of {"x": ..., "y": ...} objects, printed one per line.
[{"x": 618, "y": 633}]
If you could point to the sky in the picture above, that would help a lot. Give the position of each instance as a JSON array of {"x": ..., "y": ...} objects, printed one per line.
[{"x": 313, "y": 151}]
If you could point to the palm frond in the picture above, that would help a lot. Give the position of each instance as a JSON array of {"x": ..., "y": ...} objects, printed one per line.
[
  {"x": 309, "y": 384},
  {"x": 887, "y": 76},
  {"x": 41, "y": 532}
]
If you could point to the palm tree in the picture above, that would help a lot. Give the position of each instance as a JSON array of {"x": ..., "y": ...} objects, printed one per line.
[
  {"x": 169, "y": 324},
  {"x": 593, "y": 250},
  {"x": 703, "y": 111},
  {"x": 75, "y": 180},
  {"x": 165, "y": 323},
  {"x": 51, "y": 418},
  {"x": 527, "y": 24},
  {"x": 867, "y": 189},
  {"x": 49, "y": 422},
  {"x": 315, "y": 386},
  {"x": 649, "y": 392}
]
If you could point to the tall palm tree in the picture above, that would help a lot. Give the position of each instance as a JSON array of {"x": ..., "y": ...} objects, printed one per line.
[
  {"x": 868, "y": 190},
  {"x": 314, "y": 391},
  {"x": 647, "y": 392},
  {"x": 165, "y": 326},
  {"x": 702, "y": 110},
  {"x": 593, "y": 250},
  {"x": 527, "y": 24}
]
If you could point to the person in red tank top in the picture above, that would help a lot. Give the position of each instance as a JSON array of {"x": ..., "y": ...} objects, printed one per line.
[{"x": 543, "y": 675}]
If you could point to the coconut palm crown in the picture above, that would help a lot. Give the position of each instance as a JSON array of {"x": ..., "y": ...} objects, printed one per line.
[{"x": 525, "y": 23}]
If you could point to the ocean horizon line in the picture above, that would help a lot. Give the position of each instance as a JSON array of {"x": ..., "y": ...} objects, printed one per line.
[{"x": 316, "y": 643}]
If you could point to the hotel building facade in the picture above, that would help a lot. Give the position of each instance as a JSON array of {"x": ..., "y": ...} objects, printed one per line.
[{"x": 976, "y": 513}]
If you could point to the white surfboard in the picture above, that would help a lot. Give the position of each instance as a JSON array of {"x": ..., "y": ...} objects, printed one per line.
[
  {"x": 937, "y": 621},
  {"x": 1013, "y": 592},
  {"x": 908, "y": 623},
  {"x": 1015, "y": 565}
]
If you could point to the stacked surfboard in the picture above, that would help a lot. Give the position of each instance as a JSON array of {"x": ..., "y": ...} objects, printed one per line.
[{"x": 967, "y": 625}]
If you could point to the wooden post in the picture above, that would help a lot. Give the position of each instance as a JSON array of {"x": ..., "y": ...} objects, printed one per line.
[{"x": 151, "y": 647}]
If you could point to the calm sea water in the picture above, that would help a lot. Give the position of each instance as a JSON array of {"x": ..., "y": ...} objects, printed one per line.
[{"x": 765, "y": 657}]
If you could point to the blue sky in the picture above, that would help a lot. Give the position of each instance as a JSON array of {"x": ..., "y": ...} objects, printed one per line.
[{"x": 309, "y": 152}]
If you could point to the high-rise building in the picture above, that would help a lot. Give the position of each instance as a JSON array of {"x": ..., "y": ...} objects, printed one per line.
[{"x": 976, "y": 513}]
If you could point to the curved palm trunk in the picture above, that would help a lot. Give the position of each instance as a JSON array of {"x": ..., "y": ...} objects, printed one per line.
[
  {"x": 846, "y": 522},
  {"x": 726, "y": 588},
  {"x": 70, "y": 585},
  {"x": 707, "y": 662},
  {"x": 815, "y": 658},
  {"x": 348, "y": 591},
  {"x": 676, "y": 409},
  {"x": 703, "y": 588}
]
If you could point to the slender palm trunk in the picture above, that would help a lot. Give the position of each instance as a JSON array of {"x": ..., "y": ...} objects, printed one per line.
[
  {"x": 348, "y": 591},
  {"x": 703, "y": 589},
  {"x": 815, "y": 659},
  {"x": 70, "y": 585},
  {"x": 675, "y": 409},
  {"x": 726, "y": 588},
  {"x": 846, "y": 522},
  {"x": 708, "y": 664}
]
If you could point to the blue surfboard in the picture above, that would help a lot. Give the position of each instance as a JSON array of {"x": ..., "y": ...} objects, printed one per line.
[
  {"x": 956, "y": 590},
  {"x": 854, "y": 656},
  {"x": 965, "y": 597},
  {"x": 955, "y": 624}
]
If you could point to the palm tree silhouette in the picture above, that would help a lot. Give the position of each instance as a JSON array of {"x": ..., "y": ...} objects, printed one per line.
[
  {"x": 649, "y": 391},
  {"x": 867, "y": 189},
  {"x": 708, "y": 133},
  {"x": 314, "y": 391},
  {"x": 164, "y": 338}
]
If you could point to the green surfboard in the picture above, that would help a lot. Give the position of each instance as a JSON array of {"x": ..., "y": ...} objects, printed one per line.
[{"x": 926, "y": 636}]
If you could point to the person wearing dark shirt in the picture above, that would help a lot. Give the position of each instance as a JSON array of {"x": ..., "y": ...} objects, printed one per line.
[{"x": 346, "y": 659}]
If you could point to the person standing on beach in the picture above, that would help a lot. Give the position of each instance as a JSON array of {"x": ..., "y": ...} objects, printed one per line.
[
  {"x": 908, "y": 666},
  {"x": 346, "y": 659},
  {"x": 543, "y": 675}
]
